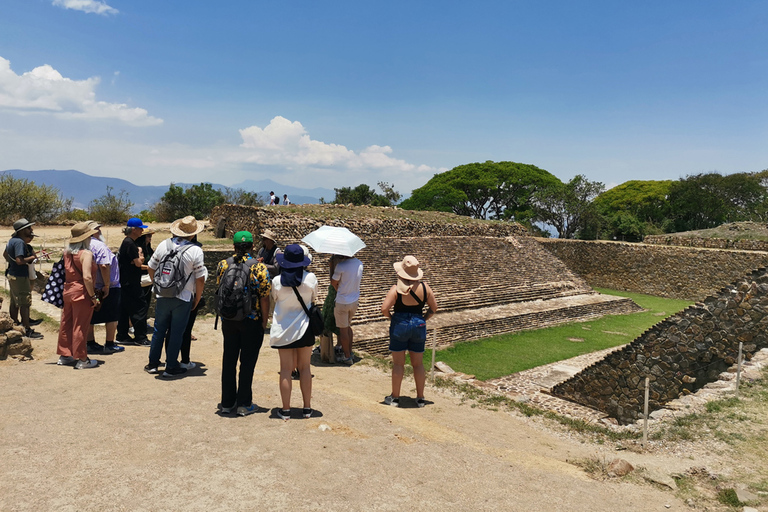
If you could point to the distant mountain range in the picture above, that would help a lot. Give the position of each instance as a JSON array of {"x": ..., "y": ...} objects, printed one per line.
[{"x": 83, "y": 188}]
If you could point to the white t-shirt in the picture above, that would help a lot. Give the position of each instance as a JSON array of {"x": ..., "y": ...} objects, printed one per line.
[
  {"x": 348, "y": 273},
  {"x": 191, "y": 258},
  {"x": 290, "y": 322}
]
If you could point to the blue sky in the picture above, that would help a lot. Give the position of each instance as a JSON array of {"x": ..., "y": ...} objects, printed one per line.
[{"x": 339, "y": 93}]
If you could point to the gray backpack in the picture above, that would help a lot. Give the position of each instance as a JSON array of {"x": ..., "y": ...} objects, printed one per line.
[{"x": 169, "y": 278}]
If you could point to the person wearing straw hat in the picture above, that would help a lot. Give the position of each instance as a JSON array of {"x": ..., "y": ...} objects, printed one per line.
[
  {"x": 173, "y": 312},
  {"x": 80, "y": 299},
  {"x": 408, "y": 326},
  {"x": 290, "y": 332},
  {"x": 19, "y": 255},
  {"x": 268, "y": 253}
]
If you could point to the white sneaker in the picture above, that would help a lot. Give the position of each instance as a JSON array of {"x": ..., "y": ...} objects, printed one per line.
[
  {"x": 88, "y": 363},
  {"x": 188, "y": 366},
  {"x": 66, "y": 361}
]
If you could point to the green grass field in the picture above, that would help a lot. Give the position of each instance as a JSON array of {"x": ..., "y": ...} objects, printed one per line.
[{"x": 502, "y": 355}]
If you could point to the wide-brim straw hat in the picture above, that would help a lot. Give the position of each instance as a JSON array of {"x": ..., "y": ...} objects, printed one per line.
[
  {"x": 408, "y": 273},
  {"x": 188, "y": 226},
  {"x": 268, "y": 233},
  {"x": 81, "y": 231}
]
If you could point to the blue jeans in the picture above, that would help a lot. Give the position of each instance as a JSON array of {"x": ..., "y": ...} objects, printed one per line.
[
  {"x": 407, "y": 331},
  {"x": 169, "y": 313}
]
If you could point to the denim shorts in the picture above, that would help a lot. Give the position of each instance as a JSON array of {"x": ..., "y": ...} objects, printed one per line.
[{"x": 407, "y": 331}]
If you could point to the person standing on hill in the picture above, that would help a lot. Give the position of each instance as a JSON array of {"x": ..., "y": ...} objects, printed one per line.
[
  {"x": 243, "y": 333},
  {"x": 286, "y": 201},
  {"x": 346, "y": 280},
  {"x": 130, "y": 257},
  {"x": 19, "y": 255}
]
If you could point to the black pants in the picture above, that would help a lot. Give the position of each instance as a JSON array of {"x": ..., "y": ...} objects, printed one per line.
[
  {"x": 241, "y": 340},
  {"x": 133, "y": 307}
]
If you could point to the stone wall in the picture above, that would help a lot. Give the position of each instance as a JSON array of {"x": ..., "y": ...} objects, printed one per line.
[
  {"x": 709, "y": 243},
  {"x": 292, "y": 227},
  {"x": 688, "y": 273},
  {"x": 679, "y": 355}
]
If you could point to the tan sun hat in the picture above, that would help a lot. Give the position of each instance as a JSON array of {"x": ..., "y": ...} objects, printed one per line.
[
  {"x": 269, "y": 234},
  {"x": 188, "y": 226},
  {"x": 93, "y": 224},
  {"x": 408, "y": 273},
  {"x": 80, "y": 232}
]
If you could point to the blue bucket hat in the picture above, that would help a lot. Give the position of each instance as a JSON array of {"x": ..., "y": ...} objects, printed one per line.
[{"x": 293, "y": 257}]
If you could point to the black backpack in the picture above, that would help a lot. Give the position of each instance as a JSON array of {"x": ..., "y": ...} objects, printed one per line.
[
  {"x": 169, "y": 278},
  {"x": 233, "y": 296}
]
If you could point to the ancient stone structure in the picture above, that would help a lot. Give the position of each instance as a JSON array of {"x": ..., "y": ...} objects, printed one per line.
[
  {"x": 489, "y": 278},
  {"x": 12, "y": 340},
  {"x": 688, "y": 273},
  {"x": 679, "y": 355}
]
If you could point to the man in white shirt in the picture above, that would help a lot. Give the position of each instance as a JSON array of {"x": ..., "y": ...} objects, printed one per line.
[
  {"x": 346, "y": 281},
  {"x": 173, "y": 312}
]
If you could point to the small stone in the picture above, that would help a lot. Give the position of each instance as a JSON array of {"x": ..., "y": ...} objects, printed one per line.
[
  {"x": 620, "y": 467},
  {"x": 324, "y": 428},
  {"x": 443, "y": 367},
  {"x": 745, "y": 496}
]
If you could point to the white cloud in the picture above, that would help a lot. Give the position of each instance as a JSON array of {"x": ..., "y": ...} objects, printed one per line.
[
  {"x": 44, "y": 90},
  {"x": 287, "y": 143},
  {"x": 89, "y": 6}
]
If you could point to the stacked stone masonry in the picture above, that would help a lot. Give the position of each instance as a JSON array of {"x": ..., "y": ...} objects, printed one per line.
[
  {"x": 12, "y": 339},
  {"x": 679, "y": 355},
  {"x": 688, "y": 273}
]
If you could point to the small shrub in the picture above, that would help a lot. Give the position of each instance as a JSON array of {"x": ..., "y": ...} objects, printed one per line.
[
  {"x": 111, "y": 208},
  {"x": 728, "y": 497}
]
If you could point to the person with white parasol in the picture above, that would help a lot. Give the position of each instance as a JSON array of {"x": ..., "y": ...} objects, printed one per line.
[{"x": 346, "y": 278}]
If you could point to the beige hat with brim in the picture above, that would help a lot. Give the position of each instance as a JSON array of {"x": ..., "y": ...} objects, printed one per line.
[
  {"x": 408, "y": 273},
  {"x": 186, "y": 227},
  {"x": 80, "y": 232},
  {"x": 269, "y": 234}
]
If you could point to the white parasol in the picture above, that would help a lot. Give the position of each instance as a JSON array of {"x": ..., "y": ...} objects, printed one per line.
[{"x": 334, "y": 240}]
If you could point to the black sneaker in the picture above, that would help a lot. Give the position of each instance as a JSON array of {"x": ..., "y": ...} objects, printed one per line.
[
  {"x": 125, "y": 340},
  {"x": 94, "y": 348},
  {"x": 295, "y": 375},
  {"x": 33, "y": 335},
  {"x": 173, "y": 372},
  {"x": 111, "y": 348},
  {"x": 150, "y": 368},
  {"x": 36, "y": 321},
  {"x": 142, "y": 342}
]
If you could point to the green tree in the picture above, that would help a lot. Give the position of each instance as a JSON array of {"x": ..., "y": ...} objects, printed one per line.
[
  {"x": 568, "y": 207},
  {"x": 111, "y": 208},
  {"x": 20, "y": 197},
  {"x": 497, "y": 190},
  {"x": 633, "y": 209},
  {"x": 197, "y": 200},
  {"x": 242, "y": 197},
  {"x": 363, "y": 194}
]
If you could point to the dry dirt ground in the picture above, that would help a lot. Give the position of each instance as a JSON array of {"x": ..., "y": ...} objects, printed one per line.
[{"x": 116, "y": 438}]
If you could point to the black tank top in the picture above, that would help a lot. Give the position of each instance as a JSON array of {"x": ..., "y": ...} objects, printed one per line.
[{"x": 418, "y": 308}]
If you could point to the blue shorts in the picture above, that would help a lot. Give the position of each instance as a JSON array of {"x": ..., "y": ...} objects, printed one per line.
[{"x": 407, "y": 331}]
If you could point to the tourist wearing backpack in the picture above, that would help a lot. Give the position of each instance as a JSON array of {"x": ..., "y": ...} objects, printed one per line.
[
  {"x": 242, "y": 302},
  {"x": 178, "y": 274}
]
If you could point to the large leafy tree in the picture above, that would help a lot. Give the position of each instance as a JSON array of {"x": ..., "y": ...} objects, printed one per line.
[
  {"x": 197, "y": 200},
  {"x": 568, "y": 206},
  {"x": 633, "y": 209},
  {"x": 496, "y": 190},
  {"x": 20, "y": 197},
  {"x": 702, "y": 201},
  {"x": 111, "y": 208},
  {"x": 363, "y": 194}
]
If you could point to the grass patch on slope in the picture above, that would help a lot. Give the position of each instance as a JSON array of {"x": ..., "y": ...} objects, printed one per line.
[{"x": 497, "y": 356}]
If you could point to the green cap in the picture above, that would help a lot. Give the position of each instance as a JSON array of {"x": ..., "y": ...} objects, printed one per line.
[{"x": 242, "y": 236}]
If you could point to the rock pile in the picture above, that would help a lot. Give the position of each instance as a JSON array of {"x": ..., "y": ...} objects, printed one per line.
[{"x": 12, "y": 340}]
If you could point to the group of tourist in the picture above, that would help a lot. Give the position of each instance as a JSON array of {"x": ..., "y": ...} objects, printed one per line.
[
  {"x": 274, "y": 200},
  {"x": 275, "y": 286}
]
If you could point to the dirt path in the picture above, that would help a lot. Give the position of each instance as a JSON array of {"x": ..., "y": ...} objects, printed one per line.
[{"x": 117, "y": 438}]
